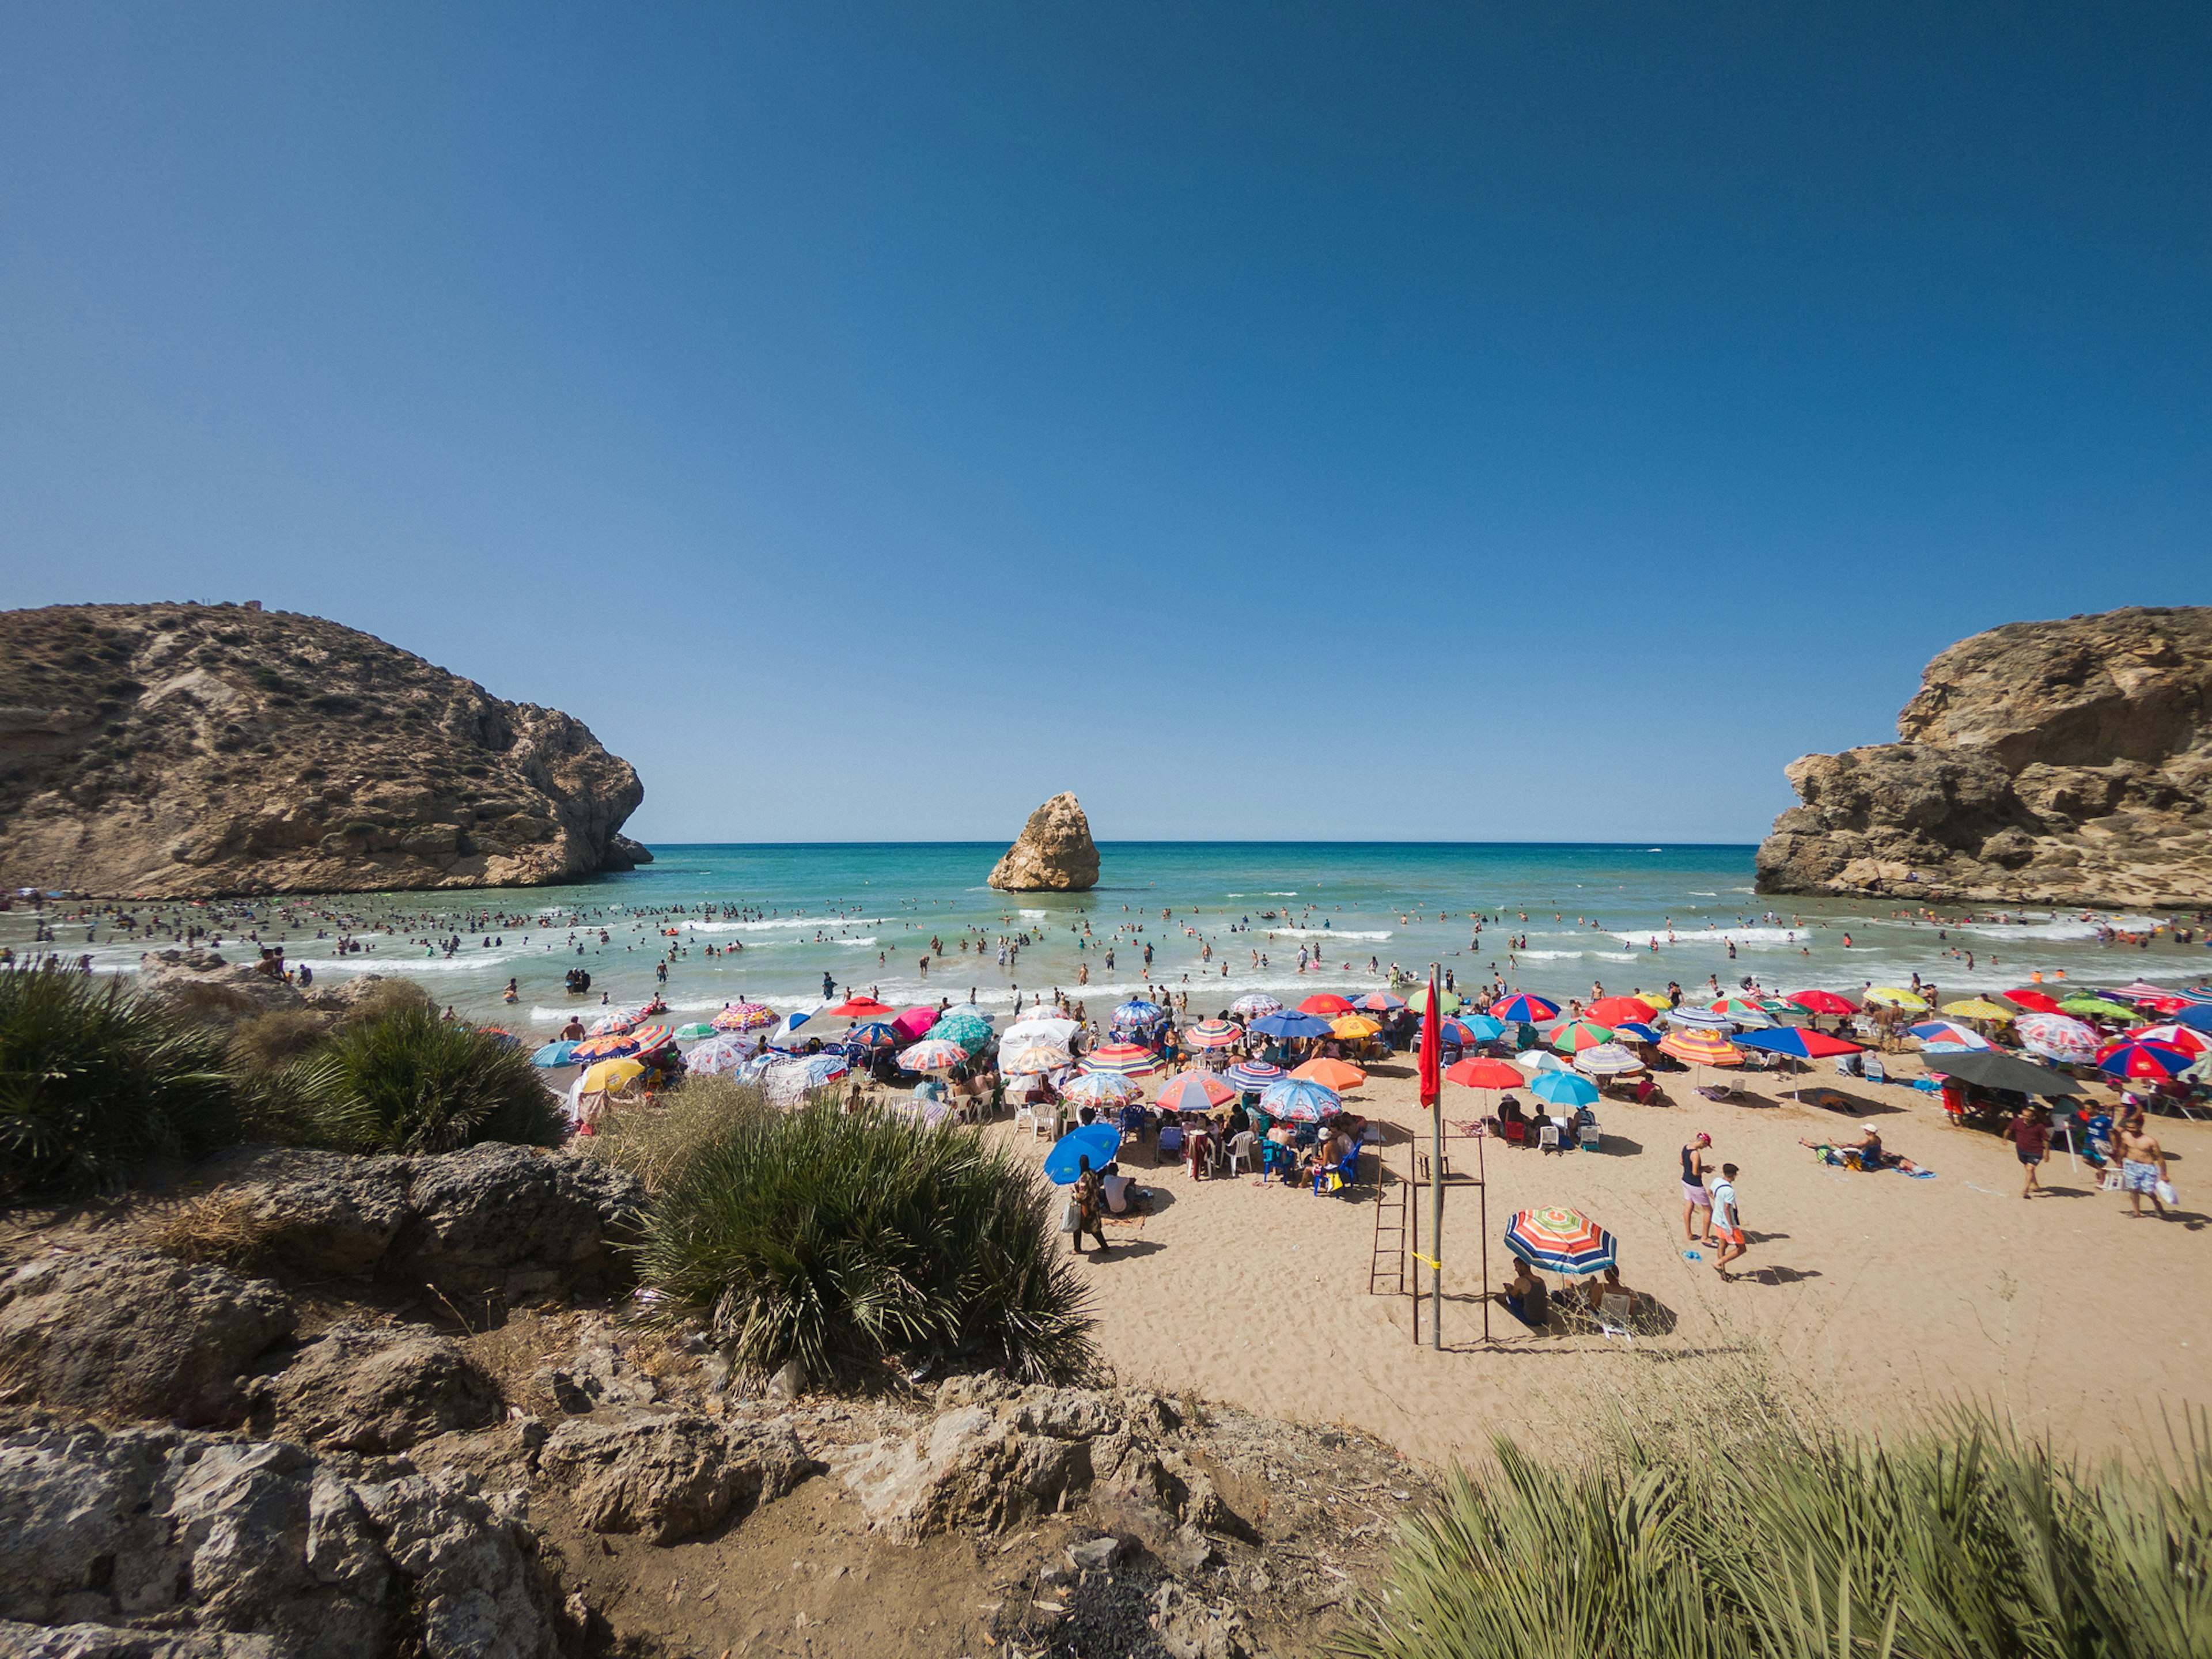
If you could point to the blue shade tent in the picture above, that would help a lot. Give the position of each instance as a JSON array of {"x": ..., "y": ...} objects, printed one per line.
[
  {"x": 1096, "y": 1141},
  {"x": 1291, "y": 1024},
  {"x": 1563, "y": 1089},
  {"x": 553, "y": 1054}
]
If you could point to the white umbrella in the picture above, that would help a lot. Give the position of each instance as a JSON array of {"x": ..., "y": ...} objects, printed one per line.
[
  {"x": 1053, "y": 1033},
  {"x": 1703, "y": 1020},
  {"x": 1606, "y": 1060},
  {"x": 1038, "y": 1059}
]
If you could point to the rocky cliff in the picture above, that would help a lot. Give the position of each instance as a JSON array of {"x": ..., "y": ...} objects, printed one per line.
[
  {"x": 1054, "y": 853},
  {"x": 2066, "y": 763},
  {"x": 190, "y": 751}
]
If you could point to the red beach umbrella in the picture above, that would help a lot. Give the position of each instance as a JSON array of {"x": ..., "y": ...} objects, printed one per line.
[
  {"x": 1823, "y": 1002},
  {"x": 2033, "y": 1000},
  {"x": 1326, "y": 1003},
  {"x": 1611, "y": 1011},
  {"x": 1481, "y": 1073}
]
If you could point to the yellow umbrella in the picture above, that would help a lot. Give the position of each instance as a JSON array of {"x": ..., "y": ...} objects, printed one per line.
[
  {"x": 1354, "y": 1026},
  {"x": 1660, "y": 1000},
  {"x": 1977, "y": 1008},
  {"x": 610, "y": 1075},
  {"x": 1897, "y": 997}
]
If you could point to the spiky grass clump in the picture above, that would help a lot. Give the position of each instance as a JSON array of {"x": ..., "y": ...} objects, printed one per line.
[
  {"x": 93, "y": 1079},
  {"x": 843, "y": 1240},
  {"x": 411, "y": 1082},
  {"x": 658, "y": 1142},
  {"x": 1962, "y": 1541}
]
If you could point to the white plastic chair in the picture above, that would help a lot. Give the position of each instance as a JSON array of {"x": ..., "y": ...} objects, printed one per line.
[
  {"x": 1613, "y": 1315},
  {"x": 1025, "y": 1117},
  {"x": 1549, "y": 1139},
  {"x": 1590, "y": 1138}
]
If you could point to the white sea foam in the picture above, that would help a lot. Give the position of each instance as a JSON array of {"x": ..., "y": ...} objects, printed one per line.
[
  {"x": 1315, "y": 933},
  {"x": 783, "y": 924}
]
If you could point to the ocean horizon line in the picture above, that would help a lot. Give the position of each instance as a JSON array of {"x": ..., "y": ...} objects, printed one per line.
[{"x": 1639, "y": 845}]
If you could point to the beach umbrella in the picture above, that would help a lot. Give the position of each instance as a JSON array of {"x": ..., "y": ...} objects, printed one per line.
[
  {"x": 1700, "y": 1048},
  {"x": 500, "y": 1035},
  {"x": 1947, "y": 1035},
  {"x": 1036, "y": 1059},
  {"x": 1611, "y": 1011},
  {"x": 1979, "y": 1008},
  {"x": 1636, "y": 1030},
  {"x": 1254, "y": 1075},
  {"x": 1696, "y": 1019},
  {"x": 2144, "y": 990},
  {"x": 1659, "y": 1001},
  {"x": 1563, "y": 1089},
  {"x": 1212, "y": 1034},
  {"x": 1129, "y": 1058},
  {"x": 1253, "y": 1005},
  {"x": 1194, "y": 1091},
  {"x": 554, "y": 1054},
  {"x": 744, "y": 1017},
  {"x": 1571, "y": 1036},
  {"x": 1523, "y": 1009},
  {"x": 1354, "y": 1028},
  {"x": 1099, "y": 1142},
  {"x": 1462, "y": 1033},
  {"x": 1483, "y": 1073},
  {"x": 1447, "y": 1001},
  {"x": 1480, "y": 1027},
  {"x": 876, "y": 1034},
  {"x": 1300, "y": 1101},
  {"x": 2174, "y": 1036},
  {"x": 1326, "y": 1002},
  {"x": 1993, "y": 1068},
  {"x": 1561, "y": 1241},
  {"x": 721, "y": 1054},
  {"x": 932, "y": 1055},
  {"x": 1539, "y": 1059},
  {"x": 652, "y": 1039},
  {"x": 858, "y": 1007},
  {"x": 912, "y": 1024},
  {"x": 2146, "y": 1060},
  {"x": 1606, "y": 1060},
  {"x": 610, "y": 1075},
  {"x": 1289, "y": 1023},
  {"x": 2035, "y": 1001},
  {"x": 1137, "y": 1013},
  {"x": 1797, "y": 1041},
  {"x": 1744, "y": 1010},
  {"x": 2097, "y": 1008},
  {"x": 1047, "y": 1029},
  {"x": 967, "y": 1011},
  {"x": 1380, "y": 1002},
  {"x": 613, "y": 1046},
  {"x": 1102, "y": 1089},
  {"x": 614, "y": 1025},
  {"x": 2170, "y": 1002},
  {"x": 1896, "y": 996},
  {"x": 2057, "y": 1036},
  {"x": 2198, "y": 1016},
  {"x": 1823, "y": 1002},
  {"x": 697, "y": 1029},
  {"x": 1337, "y": 1074}
]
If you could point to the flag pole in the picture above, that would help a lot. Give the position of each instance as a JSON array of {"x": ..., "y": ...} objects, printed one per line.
[{"x": 1431, "y": 1085}]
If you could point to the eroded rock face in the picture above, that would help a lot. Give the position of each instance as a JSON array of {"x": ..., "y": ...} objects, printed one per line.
[
  {"x": 377, "y": 1390},
  {"x": 670, "y": 1476},
  {"x": 254, "y": 1548},
  {"x": 1054, "y": 853},
  {"x": 134, "y": 1334},
  {"x": 2066, "y": 763},
  {"x": 189, "y": 750}
]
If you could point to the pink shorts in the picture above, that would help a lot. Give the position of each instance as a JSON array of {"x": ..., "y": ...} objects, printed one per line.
[{"x": 1694, "y": 1192}]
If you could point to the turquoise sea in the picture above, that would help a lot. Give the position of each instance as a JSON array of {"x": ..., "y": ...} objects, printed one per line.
[{"x": 866, "y": 916}]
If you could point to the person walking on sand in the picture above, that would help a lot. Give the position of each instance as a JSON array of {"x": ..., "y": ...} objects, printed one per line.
[
  {"x": 2029, "y": 1130},
  {"x": 1090, "y": 1207},
  {"x": 2142, "y": 1167},
  {"x": 1726, "y": 1222},
  {"x": 1696, "y": 1201}
]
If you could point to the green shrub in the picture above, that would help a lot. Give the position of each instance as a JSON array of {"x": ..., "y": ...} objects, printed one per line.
[
  {"x": 657, "y": 1142},
  {"x": 845, "y": 1240},
  {"x": 411, "y": 1082},
  {"x": 93, "y": 1079},
  {"x": 1963, "y": 1542}
]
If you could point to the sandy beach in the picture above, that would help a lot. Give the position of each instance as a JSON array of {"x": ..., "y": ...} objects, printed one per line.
[{"x": 1877, "y": 1298}]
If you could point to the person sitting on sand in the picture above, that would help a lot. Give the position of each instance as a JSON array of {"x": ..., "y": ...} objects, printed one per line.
[
  {"x": 1123, "y": 1196},
  {"x": 1526, "y": 1297},
  {"x": 1596, "y": 1290}
]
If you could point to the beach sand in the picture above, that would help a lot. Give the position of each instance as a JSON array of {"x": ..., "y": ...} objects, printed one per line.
[{"x": 1876, "y": 1299}]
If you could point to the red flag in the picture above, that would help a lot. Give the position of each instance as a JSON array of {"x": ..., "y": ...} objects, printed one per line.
[{"x": 1433, "y": 1049}]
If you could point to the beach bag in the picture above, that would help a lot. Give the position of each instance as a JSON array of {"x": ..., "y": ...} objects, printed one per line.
[
  {"x": 2112, "y": 1181},
  {"x": 1071, "y": 1219},
  {"x": 2166, "y": 1193}
]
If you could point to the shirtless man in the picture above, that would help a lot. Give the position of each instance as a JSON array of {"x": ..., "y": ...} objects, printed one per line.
[
  {"x": 2142, "y": 1166},
  {"x": 1696, "y": 1201}
]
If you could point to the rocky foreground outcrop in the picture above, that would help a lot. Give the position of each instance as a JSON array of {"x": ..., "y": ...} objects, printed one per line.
[
  {"x": 1054, "y": 853},
  {"x": 190, "y": 750},
  {"x": 2066, "y": 763}
]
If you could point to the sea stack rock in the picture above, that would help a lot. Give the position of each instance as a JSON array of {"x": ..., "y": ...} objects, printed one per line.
[
  {"x": 2063, "y": 764},
  {"x": 1054, "y": 853},
  {"x": 197, "y": 751}
]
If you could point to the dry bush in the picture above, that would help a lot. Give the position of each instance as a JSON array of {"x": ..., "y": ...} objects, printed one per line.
[
  {"x": 657, "y": 1143},
  {"x": 268, "y": 1041},
  {"x": 221, "y": 1227},
  {"x": 371, "y": 1000}
]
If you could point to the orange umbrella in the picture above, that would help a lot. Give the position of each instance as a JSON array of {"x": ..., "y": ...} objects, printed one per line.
[
  {"x": 1354, "y": 1027},
  {"x": 1697, "y": 1047},
  {"x": 1336, "y": 1074}
]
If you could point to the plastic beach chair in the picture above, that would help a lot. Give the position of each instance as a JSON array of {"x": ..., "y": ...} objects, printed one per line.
[
  {"x": 1612, "y": 1316},
  {"x": 1590, "y": 1138},
  {"x": 1347, "y": 1171},
  {"x": 1025, "y": 1117}
]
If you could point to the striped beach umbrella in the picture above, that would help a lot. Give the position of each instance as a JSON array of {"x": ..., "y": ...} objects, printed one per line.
[
  {"x": 932, "y": 1055},
  {"x": 1212, "y": 1034},
  {"x": 1695, "y": 1048},
  {"x": 1462, "y": 1033},
  {"x": 1561, "y": 1241},
  {"x": 1129, "y": 1058},
  {"x": 612, "y": 1024},
  {"x": 1611, "y": 1011},
  {"x": 2057, "y": 1036},
  {"x": 1036, "y": 1059},
  {"x": 1947, "y": 1036},
  {"x": 1563, "y": 1088},
  {"x": 1103, "y": 1089},
  {"x": 1480, "y": 1028},
  {"x": 744, "y": 1017},
  {"x": 1252, "y": 1076},
  {"x": 1337, "y": 1074},
  {"x": 2174, "y": 1036},
  {"x": 652, "y": 1039},
  {"x": 613, "y": 1046},
  {"x": 1525, "y": 1009},
  {"x": 1571, "y": 1036},
  {"x": 875, "y": 1034},
  {"x": 2146, "y": 1062},
  {"x": 1696, "y": 1019},
  {"x": 1636, "y": 1030},
  {"x": 1797, "y": 1041},
  {"x": 1484, "y": 1074},
  {"x": 1606, "y": 1060},
  {"x": 2144, "y": 990},
  {"x": 1137, "y": 1015},
  {"x": 1823, "y": 1002},
  {"x": 1747, "y": 1012},
  {"x": 1298, "y": 1101},
  {"x": 1253, "y": 1005},
  {"x": 1194, "y": 1091}
]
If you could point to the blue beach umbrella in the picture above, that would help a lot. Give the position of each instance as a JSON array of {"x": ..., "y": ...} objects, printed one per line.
[
  {"x": 553, "y": 1054},
  {"x": 1637, "y": 1028},
  {"x": 2196, "y": 1014},
  {"x": 1254, "y": 1075},
  {"x": 1096, "y": 1141},
  {"x": 1300, "y": 1101},
  {"x": 874, "y": 1035},
  {"x": 1563, "y": 1089},
  {"x": 1796, "y": 1042},
  {"x": 1291, "y": 1024}
]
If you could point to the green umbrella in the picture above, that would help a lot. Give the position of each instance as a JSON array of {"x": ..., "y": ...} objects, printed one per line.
[
  {"x": 2098, "y": 1008},
  {"x": 695, "y": 1031}
]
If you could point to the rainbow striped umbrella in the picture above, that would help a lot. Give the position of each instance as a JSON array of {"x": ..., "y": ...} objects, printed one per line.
[
  {"x": 2058, "y": 1037},
  {"x": 1129, "y": 1058},
  {"x": 1561, "y": 1241},
  {"x": 744, "y": 1017},
  {"x": 1606, "y": 1060},
  {"x": 932, "y": 1055},
  {"x": 613, "y": 1046},
  {"x": 1700, "y": 1048},
  {"x": 1947, "y": 1036},
  {"x": 1194, "y": 1091},
  {"x": 1526, "y": 1009},
  {"x": 1212, "y": 1034},
  {"x": 1299, "y": 1102},
  {"x": 1254, "y": 1004},
  {"x": 1254, "y": 1075},
  {"x": 1104, "y": 1089},
  {"x": 1572, "y": 1036}
]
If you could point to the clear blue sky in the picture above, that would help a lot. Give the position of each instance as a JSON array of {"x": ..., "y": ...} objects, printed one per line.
[{"x": 873, "y": 420}]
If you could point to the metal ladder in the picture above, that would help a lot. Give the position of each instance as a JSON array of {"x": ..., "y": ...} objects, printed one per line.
[{"x": 1386, "y": 1269}]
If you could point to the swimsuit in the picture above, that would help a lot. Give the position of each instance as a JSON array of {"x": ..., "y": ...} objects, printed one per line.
[{"x": 2139, "y": 1177}]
